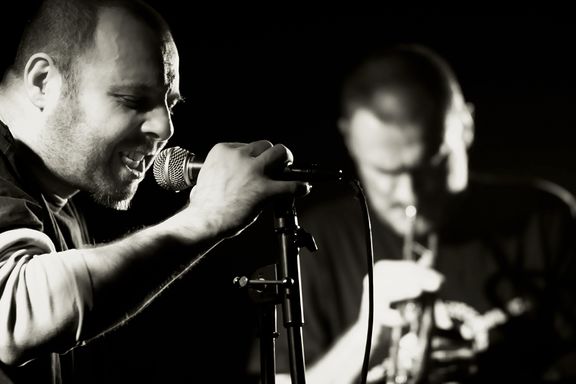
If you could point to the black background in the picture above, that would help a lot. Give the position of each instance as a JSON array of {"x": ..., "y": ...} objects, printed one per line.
[{"x": 273, "y": 73}]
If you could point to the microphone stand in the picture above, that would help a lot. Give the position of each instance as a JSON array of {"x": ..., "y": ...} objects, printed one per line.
[
  {"x": 291, "y": 238},
  {"x": 286, "y": 290}
]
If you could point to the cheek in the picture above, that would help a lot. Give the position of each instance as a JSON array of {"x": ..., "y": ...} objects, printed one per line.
[
  {"x": 383, "y": 181},
  {"x": 94, "y": 113},
  {"x": 380, "y": 185},
  {"x": 108, "y": 123},
  {"x": 434, "y": 182}
]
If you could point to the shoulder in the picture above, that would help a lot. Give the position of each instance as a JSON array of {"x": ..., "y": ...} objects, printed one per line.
[
  {"x": 508, "y": 203},
  {"x": 334, "y": 203},
  {"x": 556, "y": 194},
  {"x": 529, "y": 192},
  {"x": 17, "y": 207}
]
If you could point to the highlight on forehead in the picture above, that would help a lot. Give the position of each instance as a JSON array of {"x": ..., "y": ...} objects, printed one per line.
[
  {"x": 170, "y": 61},
  {"x": 409, "y": 66},
  {"x": 161, "y": 30}
]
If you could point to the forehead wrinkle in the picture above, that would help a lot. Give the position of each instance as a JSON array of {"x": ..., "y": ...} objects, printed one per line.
[
  {"x": 120, "y": 37},
  {"x": 170, "y": 59}
]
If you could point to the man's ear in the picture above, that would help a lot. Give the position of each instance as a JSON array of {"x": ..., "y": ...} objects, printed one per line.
[
  {"x": 468, "y": 124},
  {"x": 344, "y": 129},
  {"x": 343, "y": 125},
  {"x": 41, "y": 79}
]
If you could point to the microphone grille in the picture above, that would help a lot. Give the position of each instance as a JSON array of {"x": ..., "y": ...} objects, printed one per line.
[{"x": 170, "y": 168}]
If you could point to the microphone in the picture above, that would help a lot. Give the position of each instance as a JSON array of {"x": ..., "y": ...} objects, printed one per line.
[{"x": 175, "y": 169}]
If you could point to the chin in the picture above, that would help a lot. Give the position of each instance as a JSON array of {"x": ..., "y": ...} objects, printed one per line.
[
  {"x": 122, "y": 205},
  {"x": 119, "y": 204},
  {"x": 117, "y": 199},
  {"x": 423, "y": 229},
  {"x": 402, "y": 227}
]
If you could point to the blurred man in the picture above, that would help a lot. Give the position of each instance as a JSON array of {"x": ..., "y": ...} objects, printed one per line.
[{"x": 471, "y": 276}]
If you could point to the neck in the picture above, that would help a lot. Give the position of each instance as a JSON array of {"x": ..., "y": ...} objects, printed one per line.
[
  {"x": 25, "y": 123},
  {"x": 16, "y": 110},
  {"x": 54, "y": 188}
]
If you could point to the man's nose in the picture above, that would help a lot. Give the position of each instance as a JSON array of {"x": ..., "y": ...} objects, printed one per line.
[
  {"x": 158, "y": 124},
  {"x": 404, "y": 190}
]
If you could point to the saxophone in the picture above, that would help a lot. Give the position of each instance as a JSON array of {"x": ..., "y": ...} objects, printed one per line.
[{"x": 410, "y": 342}]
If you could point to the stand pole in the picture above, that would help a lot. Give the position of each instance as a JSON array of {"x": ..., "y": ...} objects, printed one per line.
[
  {"x": 286, "y": 226},
  {"x": 280, "y": 283}
]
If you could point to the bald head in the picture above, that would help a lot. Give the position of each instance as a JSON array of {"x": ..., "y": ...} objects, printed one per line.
[
  {"x": 66, "y": 29},
  {"x": 421, "y": 78},
  {"x": 407, "y": 129},
  {"x": 101, "y": 77}
]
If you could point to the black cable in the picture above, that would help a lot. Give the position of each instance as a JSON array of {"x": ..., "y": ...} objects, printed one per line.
[{"x": 370, "y": 266}]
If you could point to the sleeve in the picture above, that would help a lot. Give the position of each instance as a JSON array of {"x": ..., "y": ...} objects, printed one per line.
[
  {"x": 18, "y": 209},
  {"x": 44, "y": 296}
]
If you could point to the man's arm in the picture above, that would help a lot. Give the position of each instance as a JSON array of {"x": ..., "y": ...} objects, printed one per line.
[
  {"x": 393, "y": 281},
  {"x": 50, "y": 301}
]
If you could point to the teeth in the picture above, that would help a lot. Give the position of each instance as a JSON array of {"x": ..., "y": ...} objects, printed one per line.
[
  {"x": 135, "y": 156},
  {"x": 134, "y": 163},
  {"x": 131, "y": 163}
]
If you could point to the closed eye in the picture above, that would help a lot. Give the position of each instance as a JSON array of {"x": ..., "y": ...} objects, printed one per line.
[{"x": 137, "y": 103}]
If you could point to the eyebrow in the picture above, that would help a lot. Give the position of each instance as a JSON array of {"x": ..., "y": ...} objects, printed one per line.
[
  {"x": 173, "y": 97},
  {"x": 395, "y": 171},
  {"x": 176, "y": 98},
  {"x": 432, "y": 161}
]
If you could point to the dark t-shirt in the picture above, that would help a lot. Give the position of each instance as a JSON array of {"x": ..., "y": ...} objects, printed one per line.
[
  {"x": 22, "y": 205},
  {"x": 504, "y": 243}
]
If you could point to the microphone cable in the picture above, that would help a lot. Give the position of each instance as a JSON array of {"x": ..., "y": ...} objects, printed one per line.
[{"x": 361, "y": 196}]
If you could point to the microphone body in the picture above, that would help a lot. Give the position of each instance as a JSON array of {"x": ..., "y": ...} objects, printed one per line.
[{"x": 175, "y": 169}]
